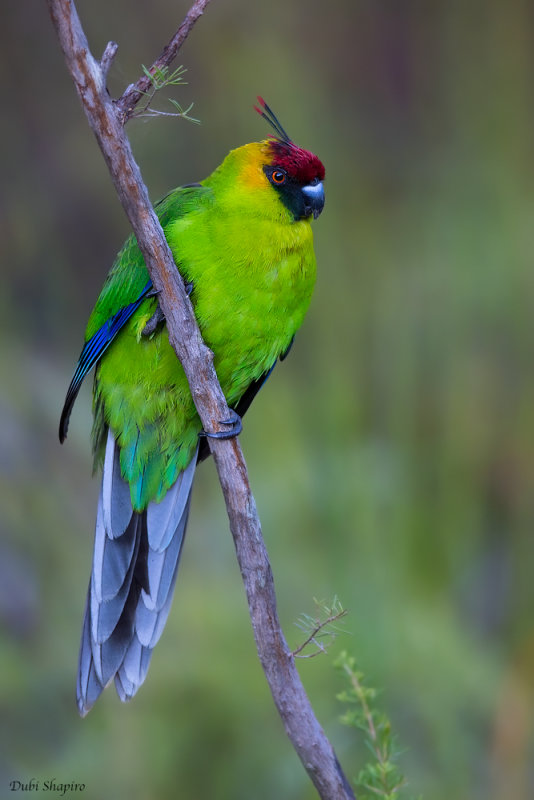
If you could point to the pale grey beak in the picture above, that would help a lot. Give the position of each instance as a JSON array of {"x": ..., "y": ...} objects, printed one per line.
[{"x": 314, "y": 199}]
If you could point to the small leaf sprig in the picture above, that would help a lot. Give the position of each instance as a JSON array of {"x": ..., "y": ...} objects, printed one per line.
[
  {"x": 381, "y": 776},
  {"x": 160, "y": 78},
  {"x": 321, "y": 629}
]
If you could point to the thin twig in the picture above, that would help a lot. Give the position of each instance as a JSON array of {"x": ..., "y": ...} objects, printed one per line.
[
  {"x": 106, "y": 120},
  {"x": 318, "y": 628},
  {"x": 359, "y": 691},
  {"x": 108, "y": 55},
  {"x": 133, "y": 94},
  {"x": 152, "y": 112},
  {"x": 381, "y": 753}
]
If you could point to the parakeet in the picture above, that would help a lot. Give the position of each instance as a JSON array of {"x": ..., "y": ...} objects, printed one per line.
[{"x": 242, "y": 242}]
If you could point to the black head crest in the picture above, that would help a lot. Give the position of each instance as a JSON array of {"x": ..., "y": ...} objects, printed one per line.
[{"x": 267, "y": 114}]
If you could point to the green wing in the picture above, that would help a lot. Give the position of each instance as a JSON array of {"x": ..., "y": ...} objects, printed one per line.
[
  {"x": 126, "y": 290},
  {"x": 128, "y": 275}
]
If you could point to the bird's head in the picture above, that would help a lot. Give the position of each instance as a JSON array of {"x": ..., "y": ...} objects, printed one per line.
[
  {"x": 295, "y": 173},
  {"x": 286, "y": 177}
]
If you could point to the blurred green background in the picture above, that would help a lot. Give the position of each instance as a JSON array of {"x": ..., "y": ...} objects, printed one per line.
[{"x": 392, "y": 455}]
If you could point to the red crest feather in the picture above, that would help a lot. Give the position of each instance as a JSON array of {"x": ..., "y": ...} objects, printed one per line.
[{"x": 300, "y": 164}]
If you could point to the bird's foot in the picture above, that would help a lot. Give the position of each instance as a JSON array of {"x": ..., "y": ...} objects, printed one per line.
[
  {"x": 188, "y": 286},
  {"x": 156, "y": 319},
  {"x": 158, "y": 316},
  {"x": 235, "y": 429}
]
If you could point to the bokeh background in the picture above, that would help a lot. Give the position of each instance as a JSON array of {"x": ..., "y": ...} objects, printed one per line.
[{"x": 392, "y": 455}]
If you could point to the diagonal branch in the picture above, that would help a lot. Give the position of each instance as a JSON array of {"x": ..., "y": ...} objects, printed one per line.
[
  {"x": 126, "y": 104},
  {"x": 107, "y": 123}
]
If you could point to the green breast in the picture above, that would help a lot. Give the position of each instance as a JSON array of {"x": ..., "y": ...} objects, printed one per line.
[{"x": 252, "y": 286}]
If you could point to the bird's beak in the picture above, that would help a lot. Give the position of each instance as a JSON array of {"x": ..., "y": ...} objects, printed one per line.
[{"x": 313, "y": 199}]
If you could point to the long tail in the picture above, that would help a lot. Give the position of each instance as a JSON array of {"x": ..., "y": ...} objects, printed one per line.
[{"x": 135, "y": 563}]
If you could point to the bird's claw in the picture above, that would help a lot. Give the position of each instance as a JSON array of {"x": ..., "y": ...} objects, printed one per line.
[
  {"x": 188, "y": 286},
  {"x": 236, "y": 428},
  {"x": 156, "y": 318}
]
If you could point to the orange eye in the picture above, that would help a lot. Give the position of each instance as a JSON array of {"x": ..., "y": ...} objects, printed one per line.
[{"x": 278, "y": 176}]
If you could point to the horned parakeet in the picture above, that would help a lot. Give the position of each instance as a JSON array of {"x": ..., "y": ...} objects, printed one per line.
[{"x": 243, "y": 244}]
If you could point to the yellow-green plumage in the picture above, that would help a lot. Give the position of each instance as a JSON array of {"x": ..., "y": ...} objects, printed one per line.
[
  {"x": 242, "y": 240},
  {"x": 253, "y": 270}
]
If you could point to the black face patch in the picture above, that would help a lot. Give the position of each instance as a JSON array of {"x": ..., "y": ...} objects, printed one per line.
[{"x": 290, "y": 192}]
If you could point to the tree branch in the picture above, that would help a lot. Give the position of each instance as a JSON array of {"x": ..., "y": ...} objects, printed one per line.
[
  {"x": 126, "y": 104},
  {"x": 107, "y": 122}
]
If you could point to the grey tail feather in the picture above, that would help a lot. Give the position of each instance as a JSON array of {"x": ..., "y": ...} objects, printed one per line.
[{"x": 135, "y": 563}]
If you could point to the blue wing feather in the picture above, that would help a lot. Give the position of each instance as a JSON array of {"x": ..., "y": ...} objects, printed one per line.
[{"x": 93, "y": 350}]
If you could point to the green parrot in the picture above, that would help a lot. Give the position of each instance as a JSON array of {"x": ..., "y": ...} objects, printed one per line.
[{"x": 243, "y": 244}]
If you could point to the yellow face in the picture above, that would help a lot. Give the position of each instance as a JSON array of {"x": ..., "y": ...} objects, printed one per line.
[
  {"x": 240, "y": 182},
  {"x": 270, "y": 179},
  {"x": 252, "y": 157}
]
